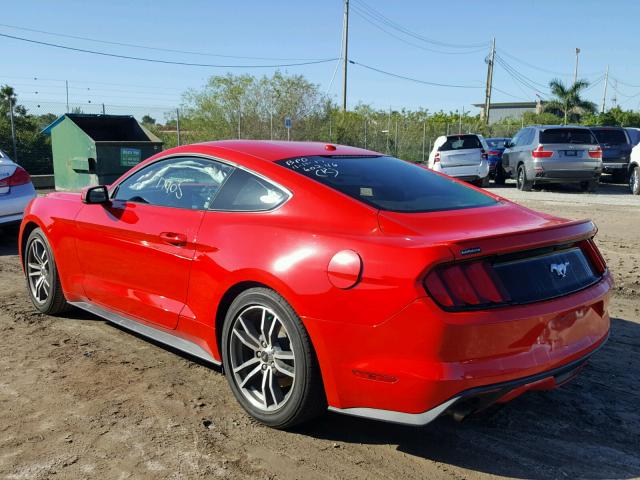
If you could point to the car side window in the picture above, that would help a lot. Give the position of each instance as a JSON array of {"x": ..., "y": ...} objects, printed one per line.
[
  {"x": 528, "y": 140},
  {"x": 245, "y": 192},
  {"x": 179, "y": 182},
  {"x": 517, "y": 138}
]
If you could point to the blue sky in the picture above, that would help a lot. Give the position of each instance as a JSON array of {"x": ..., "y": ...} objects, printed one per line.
[{"x": 541, "y": 33}]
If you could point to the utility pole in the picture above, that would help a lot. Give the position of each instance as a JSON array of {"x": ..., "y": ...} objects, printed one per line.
[
  {"x": 575, "y": 72},
  {"x": 614, "y": 99},
  {"x": 178, "y": 124},
  {"x": 490, "y": 62},
  {"x": 103, "y": 110},
  {"x": 345, "y": 51},
  {"x": 66, "y": 82},
  {"x": 606, "y": 84},
  {"x": 13, "y": 131}
]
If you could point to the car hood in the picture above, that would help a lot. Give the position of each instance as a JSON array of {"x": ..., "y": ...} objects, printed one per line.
[{"x": 503, "y": 227}]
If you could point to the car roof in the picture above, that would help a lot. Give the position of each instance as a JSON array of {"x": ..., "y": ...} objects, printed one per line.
[
  {"x": 278, "y": 150},
  {"x": 543, "y": 127},
  {"x": 607, "y": 128}
]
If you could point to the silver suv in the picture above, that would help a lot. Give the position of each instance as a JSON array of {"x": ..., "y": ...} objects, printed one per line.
[{"x": 553, "y": 154}]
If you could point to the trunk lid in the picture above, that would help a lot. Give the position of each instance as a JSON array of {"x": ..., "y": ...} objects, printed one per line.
[
  {"x": 478, "y": 232},
  {"x": 461, "y": 158}
]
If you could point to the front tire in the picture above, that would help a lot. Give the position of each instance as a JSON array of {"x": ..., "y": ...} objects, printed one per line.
[
  {"x": 634, "y": 181},
  {"x": 43, "y": 281},
  {"x": 269, "y": 360},
  {"x": 521, "y": 180}
]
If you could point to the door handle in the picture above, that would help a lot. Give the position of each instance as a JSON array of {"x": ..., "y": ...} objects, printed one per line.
[{"x": 172, "y": 238}]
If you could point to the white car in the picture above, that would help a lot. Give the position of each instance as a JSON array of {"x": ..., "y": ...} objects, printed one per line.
[
  {"x": 461, "y": 156},
  {"x": 634, "y": 170},
  {"x": 16, "y": 191}
]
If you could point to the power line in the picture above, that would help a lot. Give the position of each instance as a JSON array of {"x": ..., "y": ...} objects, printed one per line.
[
  {"x": 166, "y": 62},
  {"x": 364, "y": 16},
  {"x": 434, "y": 84},
  {"x": 518, "y": 77},
  {"x": 146, "y": 47},
  {"x": 535, "y": 67},
  {"x": 387, "y": 21}
]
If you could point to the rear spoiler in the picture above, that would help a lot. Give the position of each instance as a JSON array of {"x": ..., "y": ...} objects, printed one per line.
[{"x": 568, "y": 232}]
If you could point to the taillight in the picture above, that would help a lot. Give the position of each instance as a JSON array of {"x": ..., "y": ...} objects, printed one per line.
[
  {"x": 436, "y": 158},
  {"x": 483, "y": 154},
  {"x": 591, "y": 251},
  {"x": 493, "y": 153},
  {"x": 595, "y": 152},
  {"x": 19, "y": 177},
  {"x": 471, "y": 284},
  {"x": 540, "y": 152}
]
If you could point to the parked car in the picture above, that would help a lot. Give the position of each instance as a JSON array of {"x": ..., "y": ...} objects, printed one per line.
[
  {"x": 634, "y": 135},
  {"x": 554, "y": 154},
  {"x": 16, "y": 191},
  {"x": 494, "y": 155},
  {"x": 461, "y": 156},
  {"x": 634, "y": 171},
  {"x": 326, "y": 276},
  {"x": 616, "y": 150}
]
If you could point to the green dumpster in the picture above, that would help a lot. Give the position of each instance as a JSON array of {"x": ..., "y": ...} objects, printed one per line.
[{"x": 97, "y": 149}]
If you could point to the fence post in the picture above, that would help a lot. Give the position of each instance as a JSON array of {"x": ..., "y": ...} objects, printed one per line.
[
  {"x": 178, "y": 124},
  {"x": 365, "y": 133},
  {"x": 271, "y": 124},
  {"x": 13, "y": 131},
  {"x": 424, "y": 139}
]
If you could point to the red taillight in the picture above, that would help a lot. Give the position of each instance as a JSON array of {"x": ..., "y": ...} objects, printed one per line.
[
  {"x": 593, "y": 254},
  {"x": 540, "y": 152},
  {"x": 436, "y": 158},
  {"x": 595, "y": 152},
  {"x": 483, "y": 154},
  {"x": 466, "y": 285},
  {"x": 493, "y": 153},
  {"x": 19, "y": 177}
]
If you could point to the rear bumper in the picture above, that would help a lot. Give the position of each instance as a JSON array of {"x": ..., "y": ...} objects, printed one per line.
[
  {"x": 424, "y": 361},
  {"x": 478, "y": 398},
  {"x": 465, "y": 172},
  {"x": 612, "y": 167},
  {"x": 13, "y": 203}
]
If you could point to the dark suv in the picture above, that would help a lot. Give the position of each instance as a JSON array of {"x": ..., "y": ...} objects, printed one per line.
[
  {"x": 616, "y": 151},
  {"x": 553, "y": 154}
]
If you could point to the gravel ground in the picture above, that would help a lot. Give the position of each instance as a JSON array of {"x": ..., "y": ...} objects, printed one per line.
[{"x": 80, "y": 398}]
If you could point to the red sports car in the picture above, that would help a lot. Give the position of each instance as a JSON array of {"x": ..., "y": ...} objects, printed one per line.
[{"x": 325, "y": 276}]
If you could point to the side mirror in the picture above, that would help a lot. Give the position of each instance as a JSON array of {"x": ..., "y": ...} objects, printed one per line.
[{"x": 98, "y": 195}]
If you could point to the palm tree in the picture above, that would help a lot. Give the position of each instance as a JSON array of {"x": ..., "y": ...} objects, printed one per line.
[{"x": 568, "y": 101}]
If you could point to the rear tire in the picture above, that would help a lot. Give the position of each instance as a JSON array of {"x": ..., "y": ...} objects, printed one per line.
[
  {"x": 43, "y": 281},
  {"x": 634, "y": 181},
  {"x": 484, "y": 183},
  {"x": 619, "y": 177},
  {"x": 500, "y": 175},
  {"x": 272, "y": 370},
  {"x": 591, "y": 186},
  {"x": 521, "y": 180}
]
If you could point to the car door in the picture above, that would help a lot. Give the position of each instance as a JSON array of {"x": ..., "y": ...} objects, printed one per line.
[
  {"x": 136, "y": 252},
  {"x": 508, "y": 156}
]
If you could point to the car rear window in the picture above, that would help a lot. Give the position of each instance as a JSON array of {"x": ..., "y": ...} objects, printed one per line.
[
  {"x": 388, "y": 183},
  {"x": 461, "y": 142},
  {"x": 610, "y": 136},
  {"x": 567, "y": 135},
  {"x": 497, "y": 142}
]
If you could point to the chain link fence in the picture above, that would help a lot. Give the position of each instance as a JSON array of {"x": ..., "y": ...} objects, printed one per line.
[{"x": 405, "y": 135}]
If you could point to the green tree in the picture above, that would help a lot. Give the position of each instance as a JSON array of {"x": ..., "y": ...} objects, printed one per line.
[
  {"x": 148, "y": 120},
  {"x": 568, "y": 102}
]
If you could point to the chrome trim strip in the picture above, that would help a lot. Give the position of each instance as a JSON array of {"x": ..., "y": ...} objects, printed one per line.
[
  {"x": 158, "y": 335},
  {"x": 416, "y": 419}
]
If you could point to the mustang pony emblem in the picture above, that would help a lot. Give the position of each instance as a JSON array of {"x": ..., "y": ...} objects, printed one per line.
[{"x": 560, "y": 269}]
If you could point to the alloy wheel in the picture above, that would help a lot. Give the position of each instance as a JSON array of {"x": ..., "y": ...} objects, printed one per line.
[
  {"x": 634, "y": 180},
  {"x": 262, "y": 359},
  {"x": 39, "y": 271}
]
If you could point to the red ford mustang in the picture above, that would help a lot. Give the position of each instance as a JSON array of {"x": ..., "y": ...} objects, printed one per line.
[{"x": 327, "y": 276}]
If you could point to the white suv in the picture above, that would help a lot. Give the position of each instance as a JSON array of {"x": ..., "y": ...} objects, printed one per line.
[{"x": 461, "y": 156}]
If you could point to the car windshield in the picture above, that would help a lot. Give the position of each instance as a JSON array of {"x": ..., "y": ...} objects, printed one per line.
[
  {"x": 567, "y": 135},
  {"x": 461, "y": 142},
  {"x": 611, "y": 136},
  {"x": 497, "y": 142},
  {"x": 388, "y": 183}
]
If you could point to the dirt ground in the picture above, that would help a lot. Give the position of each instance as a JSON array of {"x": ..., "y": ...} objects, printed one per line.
[{"x": 80, "y": 398}]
